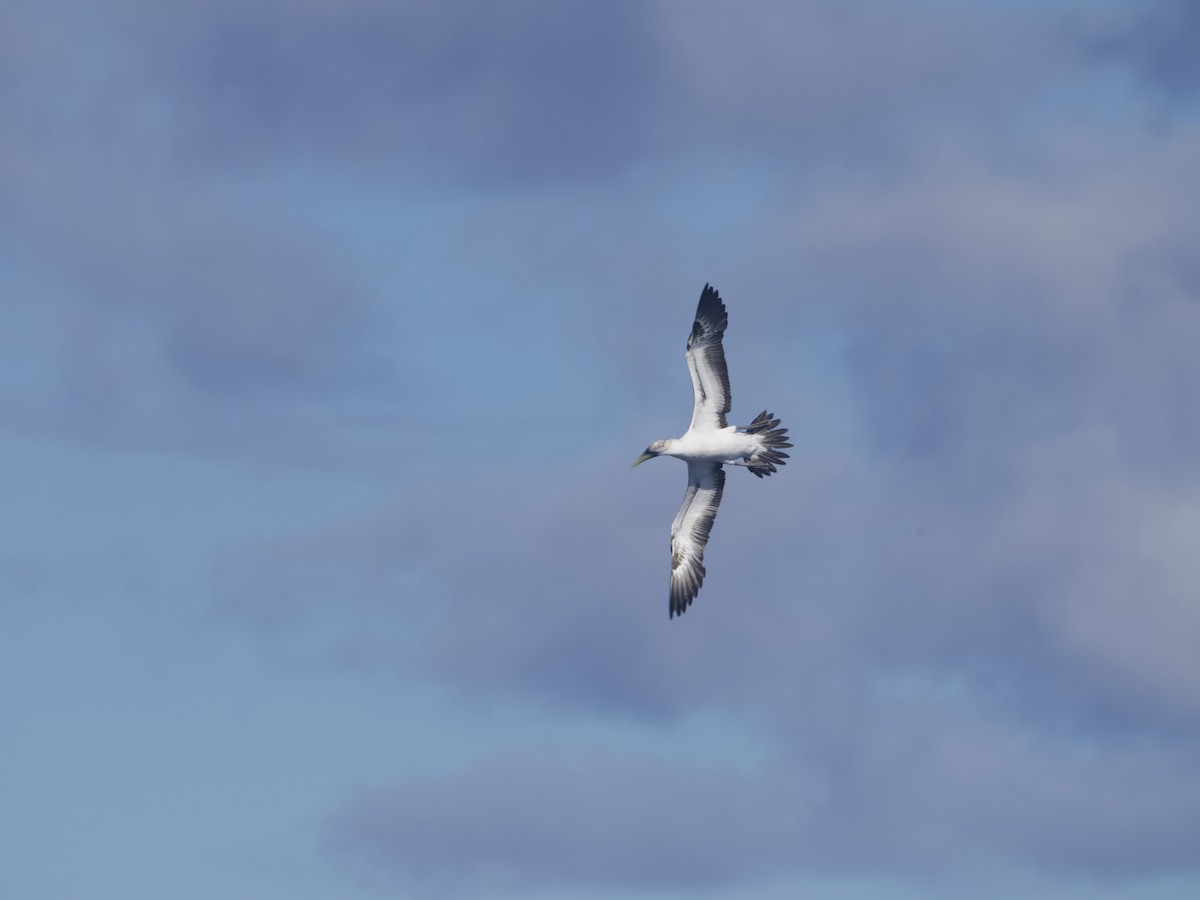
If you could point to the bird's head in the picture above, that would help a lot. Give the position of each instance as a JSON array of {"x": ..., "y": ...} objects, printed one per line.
[{"x": 652, "y": 451}]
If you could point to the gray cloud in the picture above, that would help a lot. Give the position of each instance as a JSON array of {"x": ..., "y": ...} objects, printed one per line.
[
  {"x": 967, "y": 627},
  {"x": 959, "y": 625},
  {"x": 1158, "y": 40},
  {"x": 529, "y": 94},
  {"x": 824, "y": 82},
  {"x": 167, "y": 308},
  {"x": 968, "y": 688},
  {"x": 919, "y": 791},
  {"x": 233, "y": 300},
  {"x": 605, "y": 820},
  {"x": 455, "y": 95}
]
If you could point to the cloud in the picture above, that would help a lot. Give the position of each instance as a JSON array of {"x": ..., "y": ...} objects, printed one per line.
[
  {"x": 955, "y": 626},
  {"x": 1018, "y": 347},
  {"x": 456, "y": 90},
  {"x": 911, "y": 794},
  {"x": 1058, "y": 297},
  {"x": 169, "y": 306},
  {"x": 824, "y": 82},
  {"x": 231, "y": 300},
  {"x": 1157, "y": 40},
  {"x": 164, "y": 318},
  {"x": 605, "y": 820},
  {"x": 454, "y": 95},
  {"x": 975, "y": 692},
  {"x": 957, "y": 632}
]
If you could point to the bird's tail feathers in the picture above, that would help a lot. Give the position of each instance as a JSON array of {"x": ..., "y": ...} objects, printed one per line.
[{"x": 772, "y": 440}]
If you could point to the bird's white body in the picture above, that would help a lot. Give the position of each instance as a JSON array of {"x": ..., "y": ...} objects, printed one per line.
[
  {"x": 708, "y": 445},
  {"x": 726, "y": 446}
]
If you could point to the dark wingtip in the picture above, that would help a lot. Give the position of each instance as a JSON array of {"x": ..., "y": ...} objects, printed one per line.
[
  {"x": 710, "y": 298},
  {"x": 682, "y": 597}
]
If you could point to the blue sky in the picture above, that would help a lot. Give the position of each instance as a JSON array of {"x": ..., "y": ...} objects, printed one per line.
[{"x": 329, "y": 332}]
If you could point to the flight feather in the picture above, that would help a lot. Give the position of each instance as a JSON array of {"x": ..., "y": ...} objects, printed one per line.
[
  {"x": 689, "y": 532},
  {"x": 706, "y": 363}
]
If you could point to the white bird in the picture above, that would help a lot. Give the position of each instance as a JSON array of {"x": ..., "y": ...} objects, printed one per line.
[{"x": 708, "y": 445}]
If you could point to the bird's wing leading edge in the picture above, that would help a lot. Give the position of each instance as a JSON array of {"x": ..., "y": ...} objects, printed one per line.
[
  {"x": 689, "y": 532},
  {"x": 706, "y": 362}
]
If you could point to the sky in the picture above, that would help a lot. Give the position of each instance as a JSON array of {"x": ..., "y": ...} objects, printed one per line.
[{"x": 329, "y": 331}]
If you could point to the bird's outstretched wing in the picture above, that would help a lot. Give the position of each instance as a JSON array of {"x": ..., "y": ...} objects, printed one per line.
[
  {"x": 706, "y": 362},
  {"x": 689, "y": 532}
]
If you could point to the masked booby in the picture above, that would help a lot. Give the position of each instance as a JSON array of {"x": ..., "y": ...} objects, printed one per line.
[{"x": 707, "y": 446}]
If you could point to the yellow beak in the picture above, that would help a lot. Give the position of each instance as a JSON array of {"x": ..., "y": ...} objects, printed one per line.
[{"x": 641, "y": 459}]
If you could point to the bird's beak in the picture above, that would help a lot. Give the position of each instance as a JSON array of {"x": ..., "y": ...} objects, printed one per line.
[{"x": 641, "y": 459}]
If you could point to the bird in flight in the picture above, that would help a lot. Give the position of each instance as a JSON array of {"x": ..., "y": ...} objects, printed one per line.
[{"x": 708, "y": 445}]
